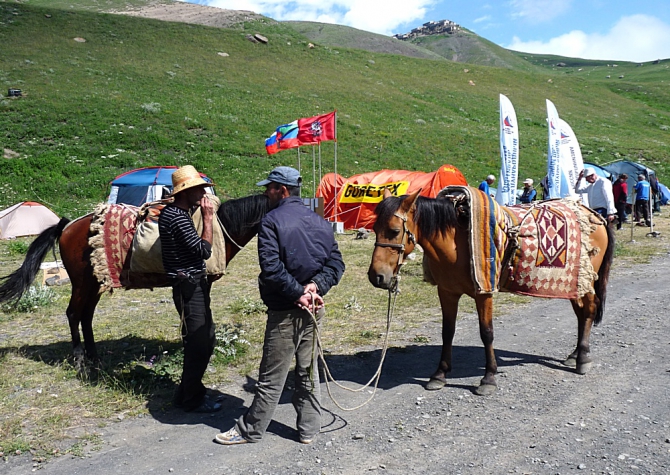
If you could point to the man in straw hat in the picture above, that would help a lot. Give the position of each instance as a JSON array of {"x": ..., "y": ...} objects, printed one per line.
[
  {"x": 184, "y": 254},
  {"x": 599, "y": 192},
  {"x": 300, "y": 262}
]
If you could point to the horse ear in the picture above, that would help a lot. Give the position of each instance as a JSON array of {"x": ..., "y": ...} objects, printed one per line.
[
  {"x": 408, "y": 203},
  {"x": 387, "y": 193}
]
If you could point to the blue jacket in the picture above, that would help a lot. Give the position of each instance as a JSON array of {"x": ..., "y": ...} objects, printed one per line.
[
  {"x": 642, "y": 190},
  {"x": 295, "y": 246}
]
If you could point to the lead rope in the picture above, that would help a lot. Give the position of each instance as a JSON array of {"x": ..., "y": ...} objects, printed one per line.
[{"x": 375, "y": 377}]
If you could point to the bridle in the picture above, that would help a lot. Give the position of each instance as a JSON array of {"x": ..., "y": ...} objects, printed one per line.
[{"x": 406, "y": 238}]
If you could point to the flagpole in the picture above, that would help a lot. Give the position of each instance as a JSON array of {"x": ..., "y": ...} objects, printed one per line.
[
  {"x": 314, "y": 169},
  {"x": 337, "y": 211},
  {"x": 299, "y": 172}
]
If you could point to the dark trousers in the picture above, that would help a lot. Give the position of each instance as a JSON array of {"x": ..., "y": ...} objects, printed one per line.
[
  {"x": 191, "y": 298},
  {"x": 621, "y": 213},
  {"x": 642, "y": 209}
]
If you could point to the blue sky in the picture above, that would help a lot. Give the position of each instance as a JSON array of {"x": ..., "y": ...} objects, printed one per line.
[{"x": 631, "y": 30}]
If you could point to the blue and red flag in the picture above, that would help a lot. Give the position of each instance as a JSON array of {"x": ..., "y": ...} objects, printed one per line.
[{"x": 309, "y": 131}]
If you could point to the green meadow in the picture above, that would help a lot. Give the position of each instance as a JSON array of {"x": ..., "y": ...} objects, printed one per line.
[{"x": 142, "y": 92}]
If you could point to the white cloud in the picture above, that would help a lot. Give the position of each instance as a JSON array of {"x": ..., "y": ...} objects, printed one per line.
[
  {"x": 481, "y": 19},
  {"x": 632, "y": 38},
  {"x": 378, "y": 16},
  {"x": 538, "y": 11}
]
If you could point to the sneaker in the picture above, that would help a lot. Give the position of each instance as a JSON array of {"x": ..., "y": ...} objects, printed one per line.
[
  {"x": 230, "y": 437},
  {"x": 206, "y": 406},
  {"x": 306, "y": 441}
]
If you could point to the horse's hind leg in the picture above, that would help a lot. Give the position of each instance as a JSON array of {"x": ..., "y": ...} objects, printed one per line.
[
  {"x": 449, "y": 304},
  {"x": 580, "y": 357},
  {"x": 80, "y": 310},
  {"x": 485, "y": 310}
]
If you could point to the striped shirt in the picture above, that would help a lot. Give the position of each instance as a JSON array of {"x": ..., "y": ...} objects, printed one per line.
[{"x": 183, "y": 250}]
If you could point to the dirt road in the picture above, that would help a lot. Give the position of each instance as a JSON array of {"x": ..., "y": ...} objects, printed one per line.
[{"x": 544, "y": 418}]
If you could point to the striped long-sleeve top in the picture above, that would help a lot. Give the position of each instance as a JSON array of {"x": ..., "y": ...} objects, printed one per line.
[{"x": 183, "y": 250}]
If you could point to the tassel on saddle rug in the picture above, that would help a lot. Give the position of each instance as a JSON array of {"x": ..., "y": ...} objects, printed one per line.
[
  {"x": 534, "y": 250},
  {"x": 126, "y": 246}
]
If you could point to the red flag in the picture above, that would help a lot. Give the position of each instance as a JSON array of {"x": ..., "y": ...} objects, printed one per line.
[{"x": 316, "y": 129}]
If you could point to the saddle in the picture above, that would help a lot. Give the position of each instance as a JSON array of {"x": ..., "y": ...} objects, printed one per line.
[
  {"x": 534, "y": 249},
  {"x": 126, "y": 246}
]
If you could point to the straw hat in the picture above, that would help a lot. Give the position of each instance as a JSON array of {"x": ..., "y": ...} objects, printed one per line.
[{"x": 187, "y": 177}]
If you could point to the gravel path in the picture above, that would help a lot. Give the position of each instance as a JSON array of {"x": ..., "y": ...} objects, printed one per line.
[{"x": 544, "y": 418}]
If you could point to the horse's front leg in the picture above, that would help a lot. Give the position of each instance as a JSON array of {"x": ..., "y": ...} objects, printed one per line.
[
  {"x": 449, "y": 304},
  {"x": 484, "y": 304},
  {"x": 580, "y": 358}
]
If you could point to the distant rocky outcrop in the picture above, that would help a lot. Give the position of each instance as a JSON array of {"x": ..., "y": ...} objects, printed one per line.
[{"x": 430, "y": 28}]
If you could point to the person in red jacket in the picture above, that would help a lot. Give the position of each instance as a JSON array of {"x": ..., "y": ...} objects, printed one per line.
[{"x": 620, "y": 192}]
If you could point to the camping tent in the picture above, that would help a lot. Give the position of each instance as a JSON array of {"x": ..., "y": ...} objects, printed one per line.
[
  {"x": 26, "y": 219},
  {"x": 600, "y": 171},
  {"x": 144, "y": 185},
  {"x": 358, "y": 196},
  {"x": 632, "y": 169}
]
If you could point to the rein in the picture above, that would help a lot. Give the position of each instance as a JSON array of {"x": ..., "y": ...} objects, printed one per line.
[{"x": 375, "y": 377}]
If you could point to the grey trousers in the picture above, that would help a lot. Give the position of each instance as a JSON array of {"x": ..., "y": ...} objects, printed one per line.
[{"x": 287, "y": 333}]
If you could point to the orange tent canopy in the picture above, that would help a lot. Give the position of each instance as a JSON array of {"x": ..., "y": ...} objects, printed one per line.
[{"x": 358, "y": 196}]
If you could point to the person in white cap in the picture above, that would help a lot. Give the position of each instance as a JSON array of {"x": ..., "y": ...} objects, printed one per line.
[
  {"x": 184, "y": 254},
  {"x": 300, "y": 262},
  {"x": 599, "y": 192},
  {"x": 484, "y": 186},
  {"x": 529, "y": 192}
]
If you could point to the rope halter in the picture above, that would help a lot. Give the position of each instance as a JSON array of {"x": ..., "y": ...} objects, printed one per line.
[{"x": 406, "y": 238}]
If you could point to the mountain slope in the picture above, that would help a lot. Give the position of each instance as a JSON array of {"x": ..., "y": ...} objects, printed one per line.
[
  {"x": 106, "y": 93},
  {"x": 338, "y": 36}
]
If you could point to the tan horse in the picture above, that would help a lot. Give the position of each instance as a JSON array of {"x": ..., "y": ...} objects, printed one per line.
[{"x": 442, "y": 231}]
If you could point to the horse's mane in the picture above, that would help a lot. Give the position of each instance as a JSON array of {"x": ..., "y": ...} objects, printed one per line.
[
  {"x": 243, "y": 214},
  {"x": 432, "y": 216}
]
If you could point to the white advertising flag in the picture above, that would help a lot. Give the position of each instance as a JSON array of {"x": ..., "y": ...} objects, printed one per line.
[
  {"x": 509, "y": 153},
  {"x": 553, "y": 154},
  {"x": 571, "y": 159}
]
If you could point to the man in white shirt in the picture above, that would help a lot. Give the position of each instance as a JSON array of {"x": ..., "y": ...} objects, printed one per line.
[{"x": 599, "y": 192}]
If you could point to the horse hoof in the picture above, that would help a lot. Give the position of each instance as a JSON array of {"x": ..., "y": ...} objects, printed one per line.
[
  {"x": 435, "y": 384},
  {"x": 584, "y": 367},
  {"x": 570, "y": 361},
  {"x": 486, "y": 389}
]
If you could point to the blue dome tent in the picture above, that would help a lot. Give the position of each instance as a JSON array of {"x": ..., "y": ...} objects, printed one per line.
[{"x": 144, "y": 185}]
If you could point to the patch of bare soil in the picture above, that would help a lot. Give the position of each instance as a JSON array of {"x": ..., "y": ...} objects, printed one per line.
[{"x": 194, "y": 14}]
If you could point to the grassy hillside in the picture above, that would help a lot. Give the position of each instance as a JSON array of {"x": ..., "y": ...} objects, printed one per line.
[
  {"x": 339, "y": 36},
  {"x": 140, "y": 92}
]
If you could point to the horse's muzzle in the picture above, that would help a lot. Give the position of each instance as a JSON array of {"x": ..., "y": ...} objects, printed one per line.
[{"x": 381, "y": 281}]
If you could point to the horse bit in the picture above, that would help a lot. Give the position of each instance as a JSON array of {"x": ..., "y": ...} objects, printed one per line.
[{"x": 401, "y": 249}]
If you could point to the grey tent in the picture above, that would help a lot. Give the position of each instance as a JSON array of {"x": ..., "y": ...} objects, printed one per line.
[
  {"x": 600, "y": 171},
  {"x": 632, "y": 169}
]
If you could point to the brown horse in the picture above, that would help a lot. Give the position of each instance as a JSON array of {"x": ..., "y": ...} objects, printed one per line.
[
  {"x": 239, "y": 217},
  {"x": 438, "y": 225}
]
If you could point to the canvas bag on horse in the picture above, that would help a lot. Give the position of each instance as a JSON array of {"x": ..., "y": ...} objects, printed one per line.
[{"x": 146, "y": 256}]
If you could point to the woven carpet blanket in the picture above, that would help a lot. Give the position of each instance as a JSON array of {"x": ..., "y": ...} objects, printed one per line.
[
  {"x": 112, "y": 235},
  {"x": 552, "y": 260},
  {"x": 112, "y": 230},
  {"x": 553, "y": 257}
]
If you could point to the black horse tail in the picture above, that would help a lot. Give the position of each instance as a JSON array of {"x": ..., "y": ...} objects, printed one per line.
[
  {"x": 13, "y": 286},
  {"x": 603, "y": 275}
]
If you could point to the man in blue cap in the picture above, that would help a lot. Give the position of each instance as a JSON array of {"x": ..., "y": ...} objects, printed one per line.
[{"x": 300, "y": 262}]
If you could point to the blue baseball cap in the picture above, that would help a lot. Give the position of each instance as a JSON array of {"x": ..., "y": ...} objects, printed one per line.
[{"x": 284, "y": 176}]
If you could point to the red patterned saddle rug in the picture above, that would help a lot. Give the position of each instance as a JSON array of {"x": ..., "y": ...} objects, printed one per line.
[
  {"x": 113, "y": 228},
  {"x": 553, "y": 255}
]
